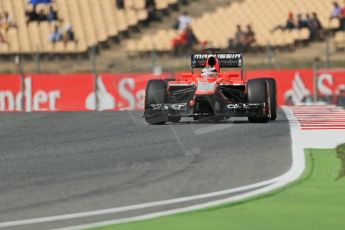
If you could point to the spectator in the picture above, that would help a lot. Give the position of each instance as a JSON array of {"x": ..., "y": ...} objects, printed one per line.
[
  {"x": 120, "y": 4},
  {"x": 336, "y": 12},
  {"x": 56, "y": 35},
  {"x": 192, "y": 40},
  {"x": 52, "y": 14},
  {"x": 290, "y": 23},
  {"x": 315, "y": 28},
  {"x": 303, "y": 23},
  {"x": 249, "y": 38},
  {"x": 150, "y": 6},
  {"x": 342, "y": 18},
  {"x": 42, "y": 16},
  {"x": 238, "y": 40},
  {"x": 32, "y": 15},
  {"x": 184, "y": 21},
  {"x": 179, "y": 41},
  {"x": 186, "y": 41},
  {"x": 7, "y": 22},
  {"x": 69, "y": 34}
]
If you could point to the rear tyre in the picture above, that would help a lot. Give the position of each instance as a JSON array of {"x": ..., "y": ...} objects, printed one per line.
[
  {"x": 272, "y": 89},
  {"x": 257, "y": 93},
  {"x": 156, "y": 93}
]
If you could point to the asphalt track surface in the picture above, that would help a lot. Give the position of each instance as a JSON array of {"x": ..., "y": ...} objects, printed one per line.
[{"x": 60, "y": 163}]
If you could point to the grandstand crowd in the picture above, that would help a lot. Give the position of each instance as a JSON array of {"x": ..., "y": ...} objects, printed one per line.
[
  {"x": 243, "y": 40},
  {"x": 63, "y": 26}
]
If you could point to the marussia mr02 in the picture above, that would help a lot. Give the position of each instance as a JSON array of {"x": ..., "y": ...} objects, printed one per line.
[{"x": 208, "y": 92}]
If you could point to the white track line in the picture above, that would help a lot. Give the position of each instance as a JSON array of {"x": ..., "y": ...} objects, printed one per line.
[
  {"x": 300, "y": 139},
  {"x": 297, "y": 168},
  {"x": 133, "y": 207}
]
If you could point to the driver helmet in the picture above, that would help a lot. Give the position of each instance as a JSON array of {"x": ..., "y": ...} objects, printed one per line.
[{"x": 209, "y": 71}]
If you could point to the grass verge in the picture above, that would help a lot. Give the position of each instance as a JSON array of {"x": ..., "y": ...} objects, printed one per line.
[{"x": 317, "y": 201}]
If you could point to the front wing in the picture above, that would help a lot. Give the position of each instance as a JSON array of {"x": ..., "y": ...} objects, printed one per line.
[{"x": 185, "y": 110}]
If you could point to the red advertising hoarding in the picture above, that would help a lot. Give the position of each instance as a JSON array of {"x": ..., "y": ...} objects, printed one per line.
[
  {"x": 76, "y": 92},
  {"x": 54, "y": 92},
  {"x": 123, "y": 91},
  {"x": 296, "y": 87},
  {"x": 10, "y": 93}
]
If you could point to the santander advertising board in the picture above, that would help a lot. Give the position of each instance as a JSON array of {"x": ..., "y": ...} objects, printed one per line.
[{"x": 115, "y": 92}]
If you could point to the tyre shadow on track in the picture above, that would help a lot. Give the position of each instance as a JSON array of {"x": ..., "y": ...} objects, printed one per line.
[{"x": 236, "y": 122}]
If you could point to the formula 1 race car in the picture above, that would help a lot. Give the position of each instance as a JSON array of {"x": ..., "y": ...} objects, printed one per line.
[{"x": 211, "y": 93}]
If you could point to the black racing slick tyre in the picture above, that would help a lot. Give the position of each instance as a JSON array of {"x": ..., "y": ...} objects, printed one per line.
[
  {"x": 257, "y": 93},
  {"x": 156, "y": 93},
  {"x": 272, "y": 89}
]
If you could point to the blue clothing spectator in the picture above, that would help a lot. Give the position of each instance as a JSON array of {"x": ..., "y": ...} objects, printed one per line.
[
  {"x": 303, "y": 23},
  {"x": 191, "y": 37},
  {"x": 56, "y": 35},
  {"x": 150, "y": 6},
  {"x": 315, "y": 28},
  {"x": 290, "y": 24},
  {"x": 52, "y": 14},
  {"x": 42, "y": 16}
]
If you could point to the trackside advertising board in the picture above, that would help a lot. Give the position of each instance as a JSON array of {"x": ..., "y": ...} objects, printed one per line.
[
  {"x": 10, "y": 93},
  {"x": 76, "y": 92},
  {"x": 296, "y": 87}
]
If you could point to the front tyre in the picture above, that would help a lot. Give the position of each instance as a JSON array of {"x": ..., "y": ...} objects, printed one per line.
[
  {"x": 156, "y": 93},
  {"x": 257, "y": 93}
]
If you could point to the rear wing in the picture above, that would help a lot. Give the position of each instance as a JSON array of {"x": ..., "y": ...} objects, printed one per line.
[{"x": 225, "y": 59}]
